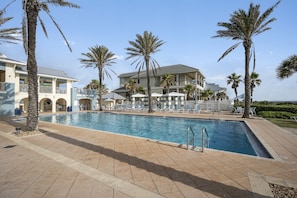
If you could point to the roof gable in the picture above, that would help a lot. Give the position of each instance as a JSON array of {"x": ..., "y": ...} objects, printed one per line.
[{"x": 171, "y": 69}]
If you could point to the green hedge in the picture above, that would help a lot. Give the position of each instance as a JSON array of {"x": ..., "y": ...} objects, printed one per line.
[
  {"x": 291, "y": 108},
  {"x": 275, "y": 114}
]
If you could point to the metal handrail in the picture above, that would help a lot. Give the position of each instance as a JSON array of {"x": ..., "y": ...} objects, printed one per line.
[
  {"x": 193, "y": 139},
  {"x": 202, "y": 138}
]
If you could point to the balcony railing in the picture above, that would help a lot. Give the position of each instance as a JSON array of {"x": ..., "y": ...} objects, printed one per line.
[
  {"x": 87, "y": 91},
  {"x": 60, "y": 90},
  {"x": 2, "y": 86},
  {"x": 23, "y": 88},
  {"x": 46, "y": 89}
]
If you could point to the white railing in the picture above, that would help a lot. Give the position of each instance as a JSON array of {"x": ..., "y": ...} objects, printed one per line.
[
  {"x": 61, "y": 90},
  {"x": 23, "y": 88},
  {"x": 46, "y": 89}
]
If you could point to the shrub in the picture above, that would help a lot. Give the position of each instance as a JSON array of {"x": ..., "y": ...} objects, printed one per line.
[{"x": 275, "y": 114}]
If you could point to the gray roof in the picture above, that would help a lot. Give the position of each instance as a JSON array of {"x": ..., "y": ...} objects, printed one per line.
[
  {"x": 9, "y": 60},
  {"x": 114, "y": 96},
  {"x": 171, "y": 69},
  {"x": 128, "y": 74},
  {"x": 214, "y": 87},
  {"x": 48, "y": 72}
]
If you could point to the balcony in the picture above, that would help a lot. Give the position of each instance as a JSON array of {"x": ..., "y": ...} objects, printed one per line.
[
  {"x": 23, "y": 87},
  {"x": 46, "y": 89},
  {"x": 60, "y": 90}
]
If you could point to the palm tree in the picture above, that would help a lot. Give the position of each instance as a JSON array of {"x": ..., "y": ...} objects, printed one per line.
[
  {"x": 142, "y": 49},
  {"x": 244, "y": 26},
  {"x": 221, "y": 95},
  {"x": 167, "y": 81},
  {"x": 131, "y": 86},
  {"x": 8, "y": 35},
  {"x": 287, "y": 68},
  {"x": 255, "y": 81},
  {"x": 29, "y": 24},
  {"x": 140, "y": 89},
  {"x": 94, "y": 84},
  {"x": 235, "y": 80},
  {"x": 189, "y": 89},
  {"x": 206, "y": 94},
  {"x": 101, "y": 58}
]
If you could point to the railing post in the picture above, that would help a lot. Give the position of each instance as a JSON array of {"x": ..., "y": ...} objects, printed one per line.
[{"x": 202, "y": 140}]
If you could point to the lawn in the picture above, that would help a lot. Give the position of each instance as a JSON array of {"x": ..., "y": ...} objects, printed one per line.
[{"x": 283, "y": 122}]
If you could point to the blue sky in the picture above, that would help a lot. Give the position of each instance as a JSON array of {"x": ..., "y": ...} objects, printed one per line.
[{"x": 186, "y": 27}]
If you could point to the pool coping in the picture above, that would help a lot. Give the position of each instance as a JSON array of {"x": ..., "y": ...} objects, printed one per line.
[{"x": 266, "y": 146}]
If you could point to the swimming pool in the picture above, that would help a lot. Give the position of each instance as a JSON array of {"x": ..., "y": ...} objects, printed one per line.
[{"x": 233, "y": 136}]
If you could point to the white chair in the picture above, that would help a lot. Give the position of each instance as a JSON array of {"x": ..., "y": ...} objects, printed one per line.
[{"x": 253, "y": 111}]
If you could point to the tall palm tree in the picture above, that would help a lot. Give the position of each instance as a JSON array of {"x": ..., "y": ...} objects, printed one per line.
[
  {"x": 101, "y": 58},
  {"x": 189, "y": 89},
  {"x": 131, "y": 86},
  {"x": 234, "y": 79},
  {"x": 255, "y": 81},
  {"x": 142, "y": 50},
  {"x": 8, "y": 35},
  {"x": 167, "y": 81},
  {"x": 29, "y": 24},
  {"x": 244, "y": 26},
  {"x": 287, "y": 68}
]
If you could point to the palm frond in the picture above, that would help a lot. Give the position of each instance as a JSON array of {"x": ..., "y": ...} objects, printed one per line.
[{"x": 229, "y": 50}]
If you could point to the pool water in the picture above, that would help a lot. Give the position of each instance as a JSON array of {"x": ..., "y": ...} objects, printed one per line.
[{"x": 233, "y": 136}]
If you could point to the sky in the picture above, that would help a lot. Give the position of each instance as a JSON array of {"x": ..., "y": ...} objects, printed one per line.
[{"x": 186, "y": 27}]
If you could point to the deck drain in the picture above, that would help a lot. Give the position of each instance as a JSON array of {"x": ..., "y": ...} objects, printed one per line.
[{"x": 9, "y": 146}]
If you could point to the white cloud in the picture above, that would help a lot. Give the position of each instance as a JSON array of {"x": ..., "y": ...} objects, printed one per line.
[{"x": 118, "y": 57}]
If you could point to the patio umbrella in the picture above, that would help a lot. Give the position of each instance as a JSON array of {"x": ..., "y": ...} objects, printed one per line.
[
  {"x": 138, "y": 95},
  {"x": 108, "y": 100},
  {"x": 174, "y": 94}
]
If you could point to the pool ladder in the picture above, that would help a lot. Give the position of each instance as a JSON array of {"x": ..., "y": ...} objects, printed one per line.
[{"x": 203, "y": 131}]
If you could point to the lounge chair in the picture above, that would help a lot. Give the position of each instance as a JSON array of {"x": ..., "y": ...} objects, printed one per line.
[
  {"x": 170, "y": 109},
  {"x": 197, "y": 109},
  {"x": 187, "y": 109},
  {"x": 238, "y": 110},
  {"x": 253, "y": 111},
  {"x": 294, "y": 118}
]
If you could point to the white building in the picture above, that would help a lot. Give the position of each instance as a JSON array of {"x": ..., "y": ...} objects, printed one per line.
[{"x": 54, "y": 90}]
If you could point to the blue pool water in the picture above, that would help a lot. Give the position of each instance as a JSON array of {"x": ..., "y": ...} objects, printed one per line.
[{"x": 233, "y": 136}]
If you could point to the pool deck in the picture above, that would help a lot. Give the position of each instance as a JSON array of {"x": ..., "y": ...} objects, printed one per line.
[{"x": 73, "y": 162}]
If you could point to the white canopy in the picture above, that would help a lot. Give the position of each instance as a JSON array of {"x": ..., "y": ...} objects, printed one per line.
[
  {"x": 155, "y": 95},
  {"x": 109, "y": 100},
  {"x": 174, "y": 94},
  {"x": 138, "y": 95}
]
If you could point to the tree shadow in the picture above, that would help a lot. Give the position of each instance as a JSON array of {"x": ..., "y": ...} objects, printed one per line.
[{"x": 164, "y": 171}]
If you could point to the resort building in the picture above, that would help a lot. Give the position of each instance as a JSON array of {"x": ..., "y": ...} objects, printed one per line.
[
  {"x": 54, "y": 90},
  {"x": 56, "y": 94},
  {"x": 183, "y": 75}
]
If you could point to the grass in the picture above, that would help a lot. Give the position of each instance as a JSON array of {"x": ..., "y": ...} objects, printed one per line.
[{"x": 289, "y": 123}]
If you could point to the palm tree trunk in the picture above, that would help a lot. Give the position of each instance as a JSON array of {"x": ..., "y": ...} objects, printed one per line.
[
  {"x": 32, "y": 13},
  {"x": 149, "y": 91},
  {"x": 100, "y": 88},
  {"x": 247, "y": 84}
]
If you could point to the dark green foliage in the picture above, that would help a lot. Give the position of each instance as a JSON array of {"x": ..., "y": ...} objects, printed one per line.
[
  {"x": 275, "y": 114},
  {"x": 290, "y": 108}
]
